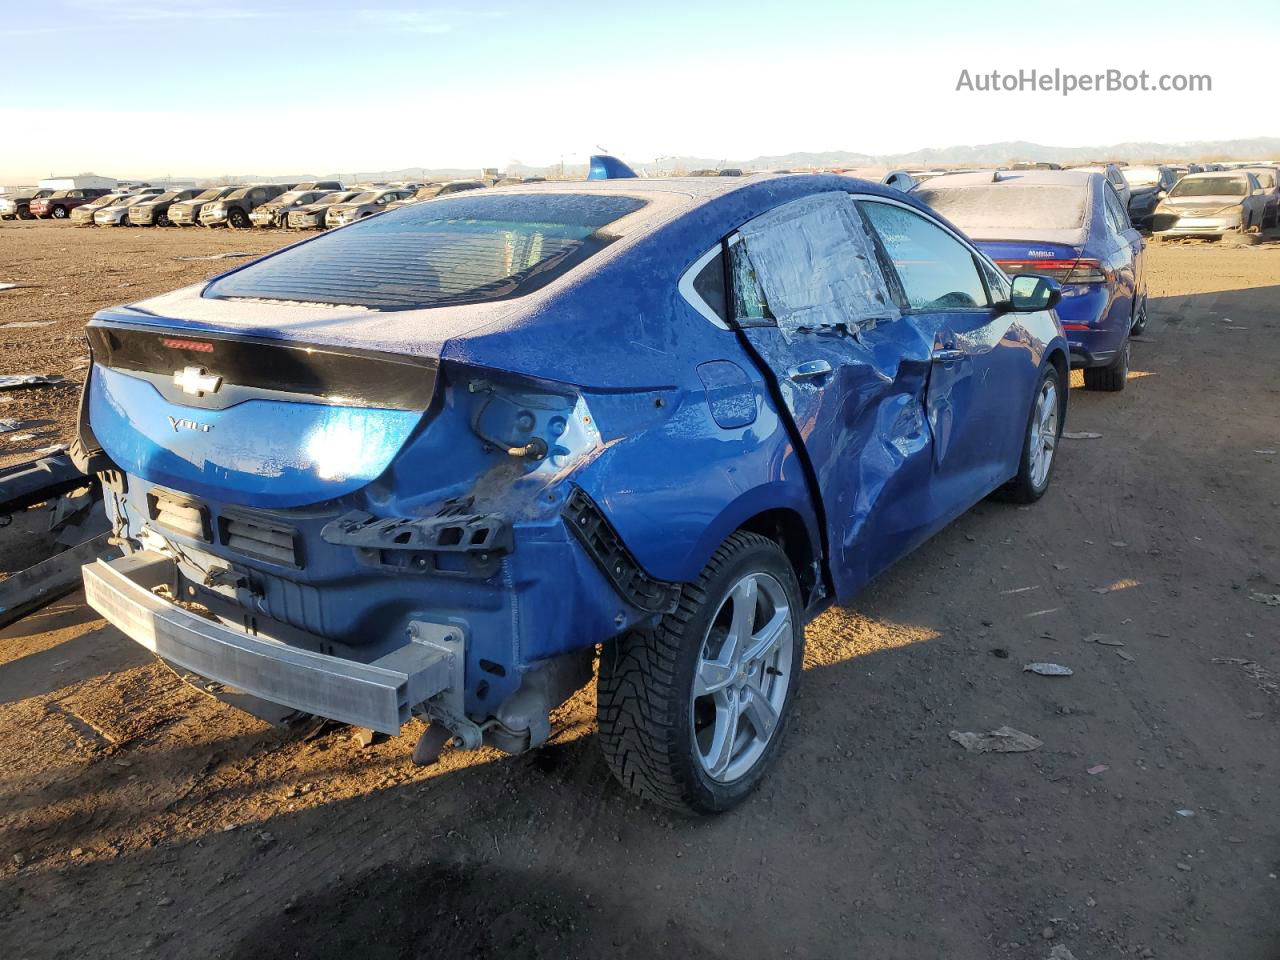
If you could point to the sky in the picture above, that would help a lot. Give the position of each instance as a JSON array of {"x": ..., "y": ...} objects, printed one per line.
[{"x": 134, "y": 88}]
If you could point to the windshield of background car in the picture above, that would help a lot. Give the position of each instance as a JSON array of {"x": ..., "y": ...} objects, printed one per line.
[
  {"x": 1142, "y": 176},
  {"x": 1266, "y": 178},
  {"x": 1211, "y": 187},
  {"x": 212, "y": 194},
  {"x": 335, "y": 198},
  {"x": 171, "y": 195},
  {"x": 285, "y": 199},
  {"x": 465, "y": 249},
  {"x": 238, "y": 194},
  {"x": 365, "y": 197},
  {"x": 982, "y": 210}
]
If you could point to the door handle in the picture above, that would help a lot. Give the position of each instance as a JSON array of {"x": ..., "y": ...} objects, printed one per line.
[
  {"x": 948, "y": 355},
  {"x": 809, "y": 370}
]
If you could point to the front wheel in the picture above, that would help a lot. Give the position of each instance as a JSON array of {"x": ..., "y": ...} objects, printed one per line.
[
  {"x": 692, "y": 711},
  {"x": 1040, "y": 442},
  {"x": 238, "y": 218}
]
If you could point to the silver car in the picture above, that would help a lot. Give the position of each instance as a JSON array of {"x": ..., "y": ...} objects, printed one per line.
[
  {"x": 311, "y": 216},
  {"x": 363, "y": 205},
  {"x": 82, "y": 216},
  {"x": 117, "y": 214},
  {"x": 1229, "y": 203},
  {"x": 274, "y": 213}
]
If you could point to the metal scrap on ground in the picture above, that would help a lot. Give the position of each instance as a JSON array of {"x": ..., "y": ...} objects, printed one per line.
[
  {"x": 1048, "y": 669},
  {"x": 1000, "y": 740},
  {"x": 219, "y": 256},
  {"x": 14, "y": 381},
  {"x": 1083, "y": 435}
]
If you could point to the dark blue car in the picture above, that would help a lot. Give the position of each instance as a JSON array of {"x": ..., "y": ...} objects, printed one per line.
[
  {"x": 1068, "y": 225},
  {"x": 428, "y": 463}
]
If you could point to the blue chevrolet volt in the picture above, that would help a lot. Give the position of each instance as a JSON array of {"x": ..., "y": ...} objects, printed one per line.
[
  {"x": 1068, "y": 225},
  {"x": 428, "y": 464}
]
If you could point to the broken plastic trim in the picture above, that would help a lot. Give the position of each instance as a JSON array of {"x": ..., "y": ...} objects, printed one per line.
[
  {"x": 476, "y": 542},
  {"x": 605, "y": 547}
]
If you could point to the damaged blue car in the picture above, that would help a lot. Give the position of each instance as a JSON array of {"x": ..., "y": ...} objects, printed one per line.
[{"x": 440, "y": 462}]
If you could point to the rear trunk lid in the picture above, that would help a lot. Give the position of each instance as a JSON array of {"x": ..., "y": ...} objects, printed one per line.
[{"x": 250, "y": 420}]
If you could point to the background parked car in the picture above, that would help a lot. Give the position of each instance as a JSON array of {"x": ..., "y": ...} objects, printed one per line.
[
  {"x": 311, "y": 216},
  {"x": 432, "y": 190},
  {"x": 187, "y": 213},
  {"x": 234, "y": 209},
  {"x": 59, "y": 204},
  {"x": 1115, "y": 176},
  {"x": 1067, "y": 225},
  {"x": 273, "y": 212},
  {"x": 328, "y": 186},
  {"x": 1218, "y": 205},
  {"x": 82, "y": 216},
  {"x": 117, "y": 214},
  {"x": 17, "y": 205},
  {"x": 1147, "y": 187},
  {"x": 363, "y": 205},
  {"x": 1269, "y": 179},
  {"x": 154, "y": 210}
]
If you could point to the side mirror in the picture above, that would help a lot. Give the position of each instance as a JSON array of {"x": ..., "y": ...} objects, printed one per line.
[{"x": 1029, "y": 293}]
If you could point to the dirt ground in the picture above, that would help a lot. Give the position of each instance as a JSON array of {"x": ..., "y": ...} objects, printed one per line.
[{"x": 139, "y": 816}]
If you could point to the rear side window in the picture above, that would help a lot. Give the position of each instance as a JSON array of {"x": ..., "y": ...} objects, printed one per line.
[
  {"x": 937, "y": 271},
  {"x": 470, "y": 248}
]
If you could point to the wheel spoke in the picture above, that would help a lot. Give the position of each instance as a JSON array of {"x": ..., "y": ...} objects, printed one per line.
[
  {"x": 760, "y": 713},
  {"x": 766, "y": 639},
  {"x": 713, "y": 675},
  {"x": 720, "y": 755},
  {"x": 744, "y": 616}
]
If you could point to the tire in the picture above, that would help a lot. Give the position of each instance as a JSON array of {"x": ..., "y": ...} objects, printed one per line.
[
  {"x": 58, "y": 213},
  {"x": 1139, "y": 321},
  {"x": 1039, "y": 441},
  {"x": 660, "y": 737},
  {"x": 24, "y": 213},
  {"x": 237, "y": 218},
  {"x": 1112, "y": 377},
  {"x": 161, "y": 219}
]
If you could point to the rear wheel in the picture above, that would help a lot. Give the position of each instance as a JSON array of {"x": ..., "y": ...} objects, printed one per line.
[
  {"x": 59, "y": 213},
  {"x": 692, "y": 712},
  {"x": 1112, "y": 377},
  {"x": 1040, "y": 442}
]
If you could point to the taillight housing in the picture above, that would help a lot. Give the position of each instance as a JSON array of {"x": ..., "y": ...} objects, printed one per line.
[{"x": 1080, "y": 270}]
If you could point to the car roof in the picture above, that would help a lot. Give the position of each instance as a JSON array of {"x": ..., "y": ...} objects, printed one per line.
[
  {"x": 1216, "y": 174},
  {"x": 1065, "y": 178}
]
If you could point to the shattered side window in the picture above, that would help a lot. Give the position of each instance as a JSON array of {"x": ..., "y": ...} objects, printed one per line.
[{"x": 810, "y": 263}]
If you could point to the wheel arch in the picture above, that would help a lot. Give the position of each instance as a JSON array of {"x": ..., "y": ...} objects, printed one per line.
[{"x": 787, "y": 528}]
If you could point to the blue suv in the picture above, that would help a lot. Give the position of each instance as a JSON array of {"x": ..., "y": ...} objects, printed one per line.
[{"x": 442, "y": 461}]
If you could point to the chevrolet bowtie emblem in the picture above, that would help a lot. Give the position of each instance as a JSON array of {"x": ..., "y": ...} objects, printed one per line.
[{"x": 195, "y": 381}]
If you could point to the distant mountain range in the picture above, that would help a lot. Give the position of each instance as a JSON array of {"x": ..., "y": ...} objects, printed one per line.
[{"x": 987, "y": 154}]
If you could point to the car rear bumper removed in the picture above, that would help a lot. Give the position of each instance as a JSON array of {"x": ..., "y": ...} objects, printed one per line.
[{"x": 378, "y": 695}]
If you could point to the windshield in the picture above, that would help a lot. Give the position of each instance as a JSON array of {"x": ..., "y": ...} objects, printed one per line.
[
  {"x": 335, "y": 198},
  {"x": 366, "y": 197},
  {"x": 1141, "y": 176},
  {"x": 211, "y": 194},
  {"x": 1266, "y": 178},
  {"x": 465, "y": 249},
  {"x": 293, "y": 196},
  {"x": 1211, "y": 187},
  {"x": 106, "y": 200},
  {"x": 985, "y": 210},
  {"x": 238, "y": 194},
  {"x": 169, "y": 195}
]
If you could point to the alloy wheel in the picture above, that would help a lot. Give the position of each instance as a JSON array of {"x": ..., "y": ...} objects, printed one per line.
[{"x": 742, "y": 676}]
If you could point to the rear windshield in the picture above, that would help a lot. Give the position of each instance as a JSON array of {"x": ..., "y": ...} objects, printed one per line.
[
  {"x": 470, "y": 248},
  {"x": 980, "y": 209},
  {"x": 1211, "y": 187}
]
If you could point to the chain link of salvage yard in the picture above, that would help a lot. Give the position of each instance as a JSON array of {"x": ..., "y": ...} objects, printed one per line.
[{"x": 1065, "y": 83}]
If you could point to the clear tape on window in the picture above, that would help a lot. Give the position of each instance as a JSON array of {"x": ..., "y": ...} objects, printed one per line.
[{"x": 818, "y": 266}]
